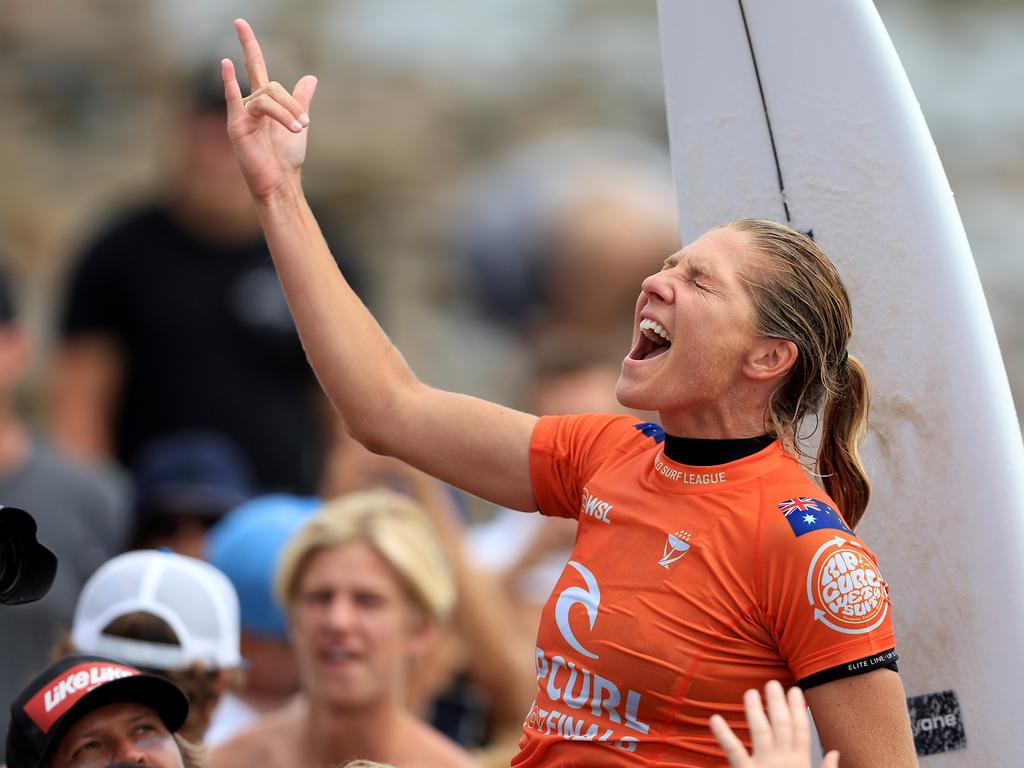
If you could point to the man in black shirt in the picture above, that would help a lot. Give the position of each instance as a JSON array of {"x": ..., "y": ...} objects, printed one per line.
[{"x": 174, "y": 319}]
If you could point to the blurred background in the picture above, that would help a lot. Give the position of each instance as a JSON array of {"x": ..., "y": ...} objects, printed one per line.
[
  {"x": 428, "y": 122},
  {"x": 494, "y": 174}
]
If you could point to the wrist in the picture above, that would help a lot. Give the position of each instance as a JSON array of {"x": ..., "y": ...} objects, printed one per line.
[{"x": 283, "y": 195}]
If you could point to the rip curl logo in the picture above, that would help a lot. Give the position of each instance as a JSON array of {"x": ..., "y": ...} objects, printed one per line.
[
  {"x": 676, "y": 545},
  {"x": 589, "y": 598},
  {"x": 845, "y": 588}
]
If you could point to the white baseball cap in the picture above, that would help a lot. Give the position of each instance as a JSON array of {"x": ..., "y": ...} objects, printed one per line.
[{"x": 195, "y": 599}]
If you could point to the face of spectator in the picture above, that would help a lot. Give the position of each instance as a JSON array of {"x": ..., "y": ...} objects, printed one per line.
[
  {"x": 353, "y": 628},
  {"x": 118, "y": 733}
]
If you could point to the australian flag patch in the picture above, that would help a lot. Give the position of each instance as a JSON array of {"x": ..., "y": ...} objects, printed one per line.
[{"x": 805, "y": 514}]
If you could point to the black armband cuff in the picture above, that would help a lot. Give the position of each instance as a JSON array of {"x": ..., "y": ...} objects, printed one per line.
[{"x": 884, "y": 660}]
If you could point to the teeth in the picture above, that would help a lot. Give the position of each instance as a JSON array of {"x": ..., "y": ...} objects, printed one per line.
[
  {"x": 337, "y": 654},
  {"x": 651, "y": 327}
]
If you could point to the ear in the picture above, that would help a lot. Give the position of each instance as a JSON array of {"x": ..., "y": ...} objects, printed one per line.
[
  {"x": 770, "y": 359},
  {"x": 422, "y": 639}
]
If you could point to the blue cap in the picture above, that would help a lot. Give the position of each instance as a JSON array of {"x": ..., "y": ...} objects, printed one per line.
[
  {"x": 191, "y": 471},
  {"x": 246, "y": 545}
]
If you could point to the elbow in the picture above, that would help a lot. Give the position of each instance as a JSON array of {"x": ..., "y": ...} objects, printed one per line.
[
  {"x": 368, "y": 433},
  {"x": 375, "y": 430},
  {"x": 374, "y": 443},
  {"x": 375, "y": 423}
]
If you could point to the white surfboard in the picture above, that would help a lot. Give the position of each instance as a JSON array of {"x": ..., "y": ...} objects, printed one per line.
[{"x": 799, "y": 111}]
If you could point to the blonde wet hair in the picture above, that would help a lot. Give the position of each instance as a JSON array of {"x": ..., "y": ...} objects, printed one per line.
[
  {"x": 798, "y": 295},
  {"x": 393, "y": 525}
]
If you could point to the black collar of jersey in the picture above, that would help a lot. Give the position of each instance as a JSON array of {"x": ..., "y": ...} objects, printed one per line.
[{"x": 700, "y": 452}]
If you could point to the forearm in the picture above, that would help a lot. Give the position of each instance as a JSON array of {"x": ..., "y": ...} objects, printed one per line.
[{"x": 359, "y": 368}]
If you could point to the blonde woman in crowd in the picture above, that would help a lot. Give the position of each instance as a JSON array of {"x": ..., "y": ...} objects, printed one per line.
[{"x": 366, "y": 586}]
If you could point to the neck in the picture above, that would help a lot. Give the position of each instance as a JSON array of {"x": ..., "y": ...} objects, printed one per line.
[
  {"x": 265, "y": 702},
  {"x": 738, "y": 413},
  {"x": 224, "y": 223},
  {"x": 337, "y": 736},
  {"x": 707, "y": 424}
]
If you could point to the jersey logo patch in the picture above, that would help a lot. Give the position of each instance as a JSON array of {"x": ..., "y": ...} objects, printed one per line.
[
  {"x": 589, "y": 598},
  {"x": 652, "y": 430},
  {"x": 599, "y": 509},
  {"x": 676, "y": 545},
  {"x": 845, "y": 589},
  {"x": 805, "y": 514}
]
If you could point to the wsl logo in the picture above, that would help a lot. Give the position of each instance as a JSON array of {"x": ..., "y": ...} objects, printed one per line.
[{"x": 676, "y": 545}]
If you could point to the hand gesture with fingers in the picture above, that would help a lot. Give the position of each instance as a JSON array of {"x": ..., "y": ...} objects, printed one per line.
[
  {"x": 267, "y": 127},
  {"x": 781, "y": 739}
]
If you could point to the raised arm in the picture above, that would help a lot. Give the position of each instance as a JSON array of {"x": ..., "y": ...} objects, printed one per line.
[{"x": 478, "y": 446}]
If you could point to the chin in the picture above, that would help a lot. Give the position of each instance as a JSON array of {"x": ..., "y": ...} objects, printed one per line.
[
  {"x": 349, "y": 700},
  {"x": 631, "y": 395}
]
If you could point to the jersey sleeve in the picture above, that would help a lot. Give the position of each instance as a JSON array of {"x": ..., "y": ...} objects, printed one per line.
[
  {"x": 823, "y": 591},
  {"x": 565, "y": 451}
]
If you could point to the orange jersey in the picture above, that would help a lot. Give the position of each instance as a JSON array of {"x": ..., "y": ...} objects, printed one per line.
[{"x": 686, "y": 586}]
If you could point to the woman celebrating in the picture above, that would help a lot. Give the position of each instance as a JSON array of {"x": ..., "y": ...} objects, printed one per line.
[{"x": 706, "y": 562}]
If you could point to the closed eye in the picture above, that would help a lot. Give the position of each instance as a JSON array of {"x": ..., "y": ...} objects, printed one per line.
[{"x": 700, "y": 285}]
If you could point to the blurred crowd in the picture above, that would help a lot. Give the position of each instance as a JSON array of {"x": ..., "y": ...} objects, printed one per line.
[{"x": 213, "y": 523}]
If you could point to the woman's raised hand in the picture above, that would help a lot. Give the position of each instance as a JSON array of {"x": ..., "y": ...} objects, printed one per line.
[
  {"x": 781, "y": 739},
  {"x": 267, "y": 127}
]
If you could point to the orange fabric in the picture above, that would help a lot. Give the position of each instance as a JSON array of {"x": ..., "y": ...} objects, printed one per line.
[{"x": 686, "y": 587}]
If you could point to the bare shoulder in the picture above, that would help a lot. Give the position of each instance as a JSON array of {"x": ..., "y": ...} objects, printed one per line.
[
  {"x": 270, "y": 742},
  {"x": 424, "y": 747}
]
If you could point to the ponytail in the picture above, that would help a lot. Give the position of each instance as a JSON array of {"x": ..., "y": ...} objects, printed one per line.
[
  {"x": 798, "y": 295},
  {"x": 844, "y": 423}
]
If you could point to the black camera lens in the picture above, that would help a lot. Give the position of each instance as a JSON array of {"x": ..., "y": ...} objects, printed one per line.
[
  {"x": 27, "y": 568},
  {"x": 9, "y": 558}
]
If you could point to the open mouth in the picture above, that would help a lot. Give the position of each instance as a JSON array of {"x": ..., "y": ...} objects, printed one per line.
[
  {"x": 653, "y": 340},
  {"x": 338, "y": 656}
]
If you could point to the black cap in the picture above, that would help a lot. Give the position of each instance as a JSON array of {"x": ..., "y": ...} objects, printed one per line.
[
  {"x": 74, "y": 686},
  {"x": 196, "y": 471},
  {"x": 27, "y": 567}
]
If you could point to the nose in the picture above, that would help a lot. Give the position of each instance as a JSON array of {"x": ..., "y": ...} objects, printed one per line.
[
  {"x": 656, "y": 286},
  {"x": 129, "y": 753},
  {"x": 342, "y": 613}
]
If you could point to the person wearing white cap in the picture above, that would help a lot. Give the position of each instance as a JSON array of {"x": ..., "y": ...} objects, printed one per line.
[{"x": 168, "y": 614}]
